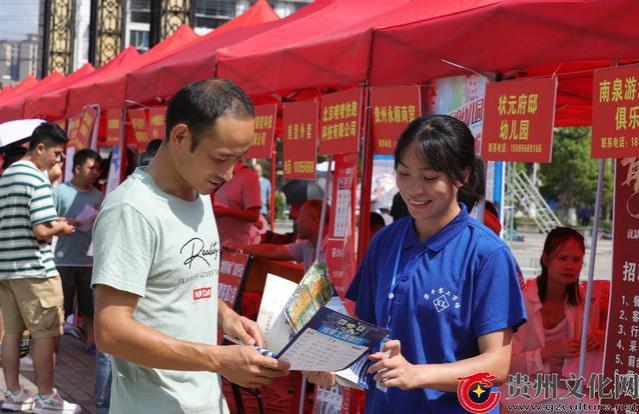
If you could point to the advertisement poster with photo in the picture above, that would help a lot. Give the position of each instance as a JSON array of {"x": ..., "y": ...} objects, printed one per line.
[{"x": 463, "y": 97}]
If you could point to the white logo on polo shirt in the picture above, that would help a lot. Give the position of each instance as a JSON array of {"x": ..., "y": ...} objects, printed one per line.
[{"x": 442, "y": 299}]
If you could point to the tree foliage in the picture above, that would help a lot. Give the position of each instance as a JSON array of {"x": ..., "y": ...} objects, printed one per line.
[{"x": 571, "y": 178}]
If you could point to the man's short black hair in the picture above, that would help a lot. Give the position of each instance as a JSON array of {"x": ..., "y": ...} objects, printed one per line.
[
  {"x": 200, "y": 104},
  {"x": 82, "y": 156},
  {"x": 49, "y": 134}
]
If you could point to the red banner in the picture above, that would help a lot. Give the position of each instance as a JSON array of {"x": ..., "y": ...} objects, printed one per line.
[
  {"x": 262, "y": 143},
  {"x": 113, "y": 128},
  {"x": 340, "y": 253},
  {"x": 341, "y": 261},
  {"x": 340, "y": 122},
  {"x": 157, "y": 122},
  {"x": 615, "y": 113},
  {"x": 74, "y": 127},
  {"x": 623, "y": 318},
  {"x": 393, "y": 109},
  {"x": 140, "y": 127},
  {"x": 232, "y": 270},
  {"x": 85, "y": 130},
  {"x": 518, "y": 120},
  {"x": 299, "y": 149},
  {"x": 62, "y": 123}
]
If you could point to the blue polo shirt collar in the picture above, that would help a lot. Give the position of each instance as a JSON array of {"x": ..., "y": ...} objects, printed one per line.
[{"x": 437, "y": 241}]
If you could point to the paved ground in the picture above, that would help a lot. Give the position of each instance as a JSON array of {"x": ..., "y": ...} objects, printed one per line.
[
  {"x": 74, "y": 374},
  {"x": 528, "y": 252}
]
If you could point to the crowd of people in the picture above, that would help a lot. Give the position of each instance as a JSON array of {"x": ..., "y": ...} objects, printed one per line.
[{"x": 139, "y": 269}]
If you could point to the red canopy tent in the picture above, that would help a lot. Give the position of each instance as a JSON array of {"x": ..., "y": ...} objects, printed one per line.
[
  {"x": 52, "y": 105},
  {"x": 35, "y": 104},
  {"x": 108, "y": 88},
  {"x": 412, "y": 43},
  {"x": 515, "y": 38},
  {"x": 260, "y": 12},
  {"x": 163, "y": 78},
  {"x": 14, "y": 108},
  {"x": 281, "y": 68},
  {"x": 26, "y": 84}
]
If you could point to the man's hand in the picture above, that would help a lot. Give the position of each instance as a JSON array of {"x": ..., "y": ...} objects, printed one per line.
[
  {"x": 323, "y": 379},
  {"x": 244, "y": 366},
  {"x": 240, "y": 327},
  {"x": 394, "y": 370},
  {"x": 65, "y": 229}
]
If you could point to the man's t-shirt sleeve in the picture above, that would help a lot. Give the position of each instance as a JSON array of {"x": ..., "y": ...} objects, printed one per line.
[
  {"x": 123, "y": 249},
  {"x": 41, "y": 206},
  {"x": 497, "y": 300}
]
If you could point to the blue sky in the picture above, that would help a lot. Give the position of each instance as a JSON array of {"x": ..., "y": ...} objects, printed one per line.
[{"x": 18, "y": 17}]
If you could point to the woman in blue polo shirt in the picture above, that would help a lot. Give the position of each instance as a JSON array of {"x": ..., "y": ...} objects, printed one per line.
[{"x": 444, "y": 284}]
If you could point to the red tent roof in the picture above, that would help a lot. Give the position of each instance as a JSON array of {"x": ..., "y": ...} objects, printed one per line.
[
  {"x": 14, "y": 108},
  {"x": 280, "y": 65},
  {"x": 53, "y": 104},
  {"x": 260, "y": 12},
  {"x": 515, "y": 38},
  {"x": 109, "y": 87},
  {"x": 8, "y": 92},
  {"x": 195, "y": 62},
  {"x": 36, "y": 104},
  {"x": 410, "y": 43}
]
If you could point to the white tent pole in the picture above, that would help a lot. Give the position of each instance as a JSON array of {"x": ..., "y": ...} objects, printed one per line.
[{"x": 591, "y": 271}]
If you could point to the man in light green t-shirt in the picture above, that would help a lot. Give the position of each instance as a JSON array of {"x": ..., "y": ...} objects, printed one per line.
[{"x": 156, "y": 261}]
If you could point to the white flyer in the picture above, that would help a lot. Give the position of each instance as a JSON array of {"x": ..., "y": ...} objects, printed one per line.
[
  {"x": 271, "y": 317},
  {"x": 86, "y": 218}
]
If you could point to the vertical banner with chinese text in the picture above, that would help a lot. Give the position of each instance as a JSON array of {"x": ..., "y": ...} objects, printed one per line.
[
  {"x": 615, "y": 113},
  {"x": 232, "y": 271},
  {"x": 113, "y": 128},
  {"x": 140, "y": 127},
  {"x": 622, "y": 332},
  {"x": 341, "y": 261},
  {"x": 73, "y": 126},
  {"x": 340, "y": 250},
  {"x": 519, "y": 116},
  {"x": 393, "y": 109},
  {"x": 264, "y": 136},
  {"x": 157, "y": 122},
  {"x": 341, "y": 117},
  {"x": 299, "y": 147},
  {"x": 62, "y": 123},
  {"x": 84, "y": 134}
]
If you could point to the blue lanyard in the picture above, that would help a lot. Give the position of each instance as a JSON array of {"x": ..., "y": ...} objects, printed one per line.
[{"x": 393, "y": 286}]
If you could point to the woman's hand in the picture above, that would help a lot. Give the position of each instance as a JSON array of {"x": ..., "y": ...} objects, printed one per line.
[
  {"x": 323, "y": 379},
  {"x": 566, "y": 348},
  {"x": 393, "y": 370}
]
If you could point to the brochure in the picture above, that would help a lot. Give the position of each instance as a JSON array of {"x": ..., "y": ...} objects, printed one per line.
[{"x": 328, "y": 339}]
